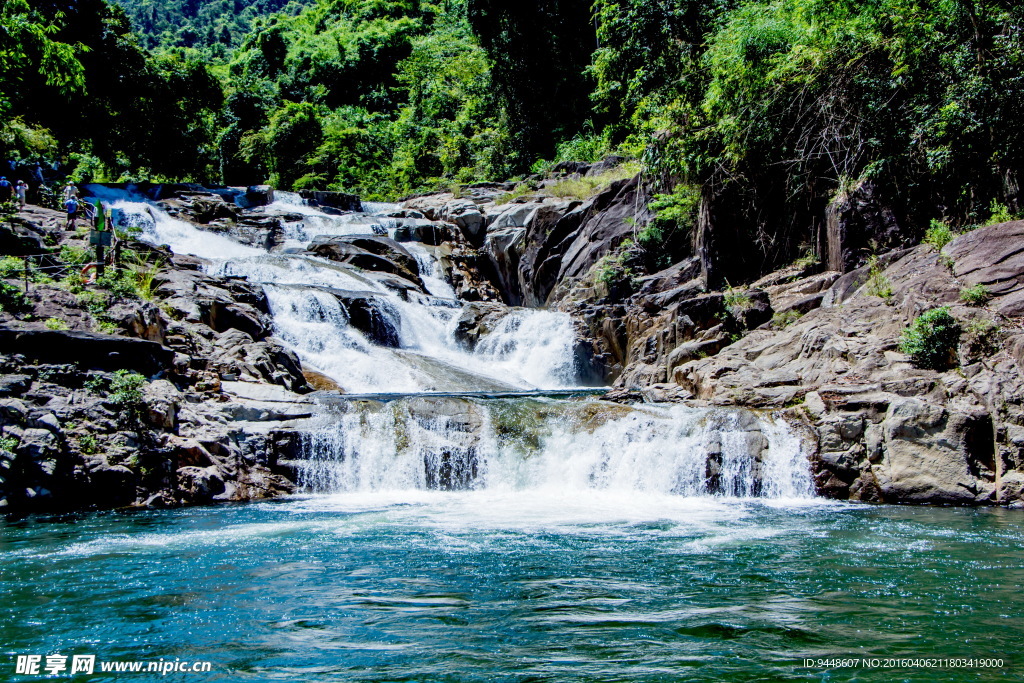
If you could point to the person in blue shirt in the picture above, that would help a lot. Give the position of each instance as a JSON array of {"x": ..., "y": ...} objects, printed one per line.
[
  {"x": 72, "y": 206},
  {"x": 6, "y": 189}
]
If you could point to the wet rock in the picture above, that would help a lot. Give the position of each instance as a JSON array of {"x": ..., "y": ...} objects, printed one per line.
[
  {"x": 115, "y": 483},
  {"x": 373, "y": 315},
  {"x": 207, "y": 210},
  {"x": 339, "y": 201},
  {"x": 374, "y": 253},
  {"x": 478, "y": 320},
  {"x": 200, "y": 484}
]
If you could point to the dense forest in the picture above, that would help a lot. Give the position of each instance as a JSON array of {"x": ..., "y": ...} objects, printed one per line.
[{"x": 756, "y": 113}]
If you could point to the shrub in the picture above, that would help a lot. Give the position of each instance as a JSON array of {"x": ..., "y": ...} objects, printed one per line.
[
  {"x": 13, "y": 300},
  {"x": 126, "y": 394},
  {"x": 589, "y": 148},
  {"x": 56, "y": 324},
  {"x": 75, "y": 256},
  {"x": 976, "y": 295},
  {"x": 666, "y": 236},
  {"x": 521, "y": 190},
  {"x": 588, "y": 186},
  {"x": 11, "y": 266},
  {"x": 88, "y": 444},
  {"x": 94, "y": 302},
  {"x": 1000, "y": 213},
  {"x": 104, "y": 326},
  {"x": 938, "y": 235},
  {"x": 736, "y": 301},
  {"x": 120, "y": 283},
  {"x": 931, "y": 340},
  {"x": 877, "y": 284},
  {"x": 781, "y": 321},
  {"x": 613, "y": 270},
  {"x": 983, "y": 338},
  {"x": 8, "y": 443}
]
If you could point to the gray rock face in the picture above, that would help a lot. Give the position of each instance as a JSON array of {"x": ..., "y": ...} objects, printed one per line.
[
  {"x": 469, "y": 219},
  {"x": 369, "y": 252},
  {"x": 92, "y": 350},
  {"x": 504, "y": 248},
  {"x": 993, "y": 257},
  {"x": 856, "y": 220}
]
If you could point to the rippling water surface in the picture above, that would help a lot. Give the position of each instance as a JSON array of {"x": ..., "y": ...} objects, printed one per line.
[{"x": 520, "y": 586}]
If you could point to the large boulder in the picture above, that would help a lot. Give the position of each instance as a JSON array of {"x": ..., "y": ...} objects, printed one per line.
[
  {"x": 256, "y": 195},
  {"x": 425, "y": 232},
  {"x": 369, "y": 252},
  {"x": 99, "y": 351},
  {"x": 860, "y": 221},
  {"x": 504, "y": 248},
  {"x": 339, "y": 201},
  {"x": 933, "y": 456},
  {"x": 373, "y": 315},
  {"x": 470, "y": 220}
]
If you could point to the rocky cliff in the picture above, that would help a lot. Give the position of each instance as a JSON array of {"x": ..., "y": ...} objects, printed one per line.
[{"x": 821, "y": 345}]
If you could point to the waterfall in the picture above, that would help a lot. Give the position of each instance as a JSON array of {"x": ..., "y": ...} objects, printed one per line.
[
  {"x": 427, "y": 356},
  {"x": 523, "y": 444},
  {"x": 356, "y": 328}
]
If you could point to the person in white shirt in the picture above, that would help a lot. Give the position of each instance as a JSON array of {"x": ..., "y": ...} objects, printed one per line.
[
  {"x": 70, "y": 191},
  {"x": 20, "y": 191}
]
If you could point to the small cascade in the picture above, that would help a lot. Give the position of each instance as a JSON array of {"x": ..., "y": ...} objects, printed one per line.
[
  {"x": 529, "y": 444},
  {"x": 430, "y": 271}
]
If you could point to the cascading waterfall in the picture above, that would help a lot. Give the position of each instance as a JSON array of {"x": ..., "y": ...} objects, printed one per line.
[
  {"x": 428, "y": 357},
  {"x": 520, "y": 444},
  {"x": 427, "y": 442}
]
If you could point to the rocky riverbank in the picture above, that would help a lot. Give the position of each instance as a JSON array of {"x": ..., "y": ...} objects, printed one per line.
[{"x": 135, "y": 391}]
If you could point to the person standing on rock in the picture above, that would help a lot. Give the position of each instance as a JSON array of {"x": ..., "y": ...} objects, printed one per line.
[
  {"x": 21, "y": 192},
  {"x": 70, "y": 191},
  {"x": 71, "y": 204},
  {"x": 6, "y": 190}
]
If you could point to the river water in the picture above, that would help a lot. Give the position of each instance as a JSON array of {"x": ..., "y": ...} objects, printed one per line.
[
  {"x": 521, "y": 586},
  {"x": 476, "y": 538}
]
